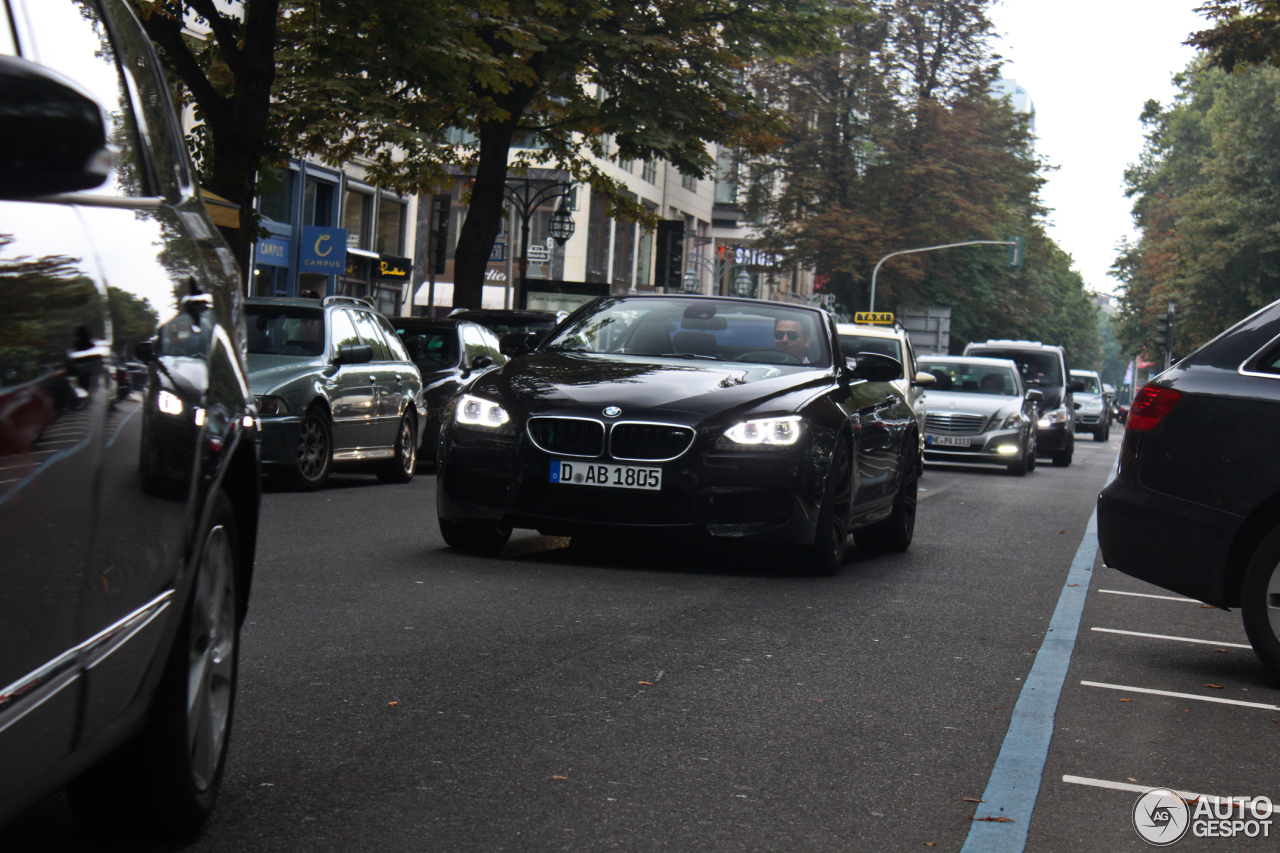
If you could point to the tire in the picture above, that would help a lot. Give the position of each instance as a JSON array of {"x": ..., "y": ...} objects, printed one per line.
[
  {"x": 475, "y": 537},
  {"x": 1261, "y": 619},
  {"x": 1062, "y": 458},
  {"x": 826, "y": 555},
  {"x": 1031, "y": 454},
  {"x": 315, "y": 451},
  {"x": 895, "y": 532},
  {"x": 164, "y": 780},
  {"x": 1100, "y": 434},
  {"x": 1018, "y": 468},
  {"x": 400, "y": 468}
]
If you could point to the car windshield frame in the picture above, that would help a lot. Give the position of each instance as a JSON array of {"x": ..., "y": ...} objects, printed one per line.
[
  {"x": 279, "y": 340},
  {"x": 695, "y": 328},
  {"x": 1023, "y": 358},
  {"x": 1010, "y": 387}
]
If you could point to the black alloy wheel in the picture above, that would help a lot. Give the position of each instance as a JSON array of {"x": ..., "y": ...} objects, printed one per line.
[
  {"x": 400, "y": 468},
  {"x": 826, "y": 555},
  {"x": 164, "y": 780},
  {"x": 1260, "y": 602},
  {"x": 475, "y": 537},
  {"x": 896, "y": 531},
  {"x": 315, "y": 450}
]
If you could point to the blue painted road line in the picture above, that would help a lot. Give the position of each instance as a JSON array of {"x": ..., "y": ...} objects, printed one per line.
[{"x": 1015, "y": 780}]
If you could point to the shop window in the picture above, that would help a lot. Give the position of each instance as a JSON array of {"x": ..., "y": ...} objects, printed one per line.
[
  {"x": 391, "y": 220},
  {"x": 275, "y": 198},
  {"x": 650, "y": 171},
  {"x": 317, "y": 203},
  {"x": 357, "y": 216},
  {"x": 689, "y": 182}
]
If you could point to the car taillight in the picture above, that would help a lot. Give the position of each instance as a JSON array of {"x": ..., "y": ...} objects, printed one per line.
[{"x": 1150, "y": 406}]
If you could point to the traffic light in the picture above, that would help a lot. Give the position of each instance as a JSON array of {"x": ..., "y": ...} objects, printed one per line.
[
  {"x": 1016, "y": 247},
  {"x": 439, "y": 231},
  {"x": 670, "y": 255},
  {"x": 1164, "y": 329}
]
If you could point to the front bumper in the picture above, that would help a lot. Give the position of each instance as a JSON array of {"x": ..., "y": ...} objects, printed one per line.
[
  {"x": 1052, "y": 438},
  {"x": 1089, "y": 420},
  {"x": 1172, "y": 543},
  {"x": 773, "y": 496},
  {"x": 983, "y": 447},
  {"x": 278, "y": 439}
]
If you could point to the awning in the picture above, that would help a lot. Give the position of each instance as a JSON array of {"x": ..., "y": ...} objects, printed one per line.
[
  {"x": 373, "y": 256},
  {"x": 223, "y": 213}
]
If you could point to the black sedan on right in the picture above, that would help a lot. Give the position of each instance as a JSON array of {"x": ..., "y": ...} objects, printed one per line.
[{"x": 1195, "y": 505}]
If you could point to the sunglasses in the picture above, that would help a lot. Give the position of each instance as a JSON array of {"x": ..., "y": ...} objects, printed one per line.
[{"x": 789, "y": 334}]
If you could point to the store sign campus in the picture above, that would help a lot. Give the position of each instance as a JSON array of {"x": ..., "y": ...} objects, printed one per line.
[{"x": 324, "y": 250}]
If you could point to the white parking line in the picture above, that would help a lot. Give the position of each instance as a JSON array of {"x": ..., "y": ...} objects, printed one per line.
[
  {"x": 1128, "y": 689},
  {"x": 1167, "y": 637},
  {"x": 1141, "y": 789},
  {"x": 1145, "y": 595}
]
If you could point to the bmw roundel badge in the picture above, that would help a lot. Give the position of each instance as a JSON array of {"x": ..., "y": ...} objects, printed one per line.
[{"x": 612, "y": 411}]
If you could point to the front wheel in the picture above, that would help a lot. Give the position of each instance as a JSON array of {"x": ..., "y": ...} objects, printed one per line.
[
  {"x": 826, "y": 555},
  {"x": 165, "y": 779},
  {"x": 896, "y": 532},
  {"x": 315, "y": 451},
  {"x": 475, "y": 537},
  {"x": 1260, "y": 602},
  {"x": 400, "y": 468}
]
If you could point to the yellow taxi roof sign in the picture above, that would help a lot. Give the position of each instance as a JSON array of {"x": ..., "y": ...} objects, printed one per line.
[{"x": 874, "y": 318}]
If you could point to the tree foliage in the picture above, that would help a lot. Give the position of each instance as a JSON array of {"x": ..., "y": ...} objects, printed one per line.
[
  {"x": 896, "y": 142},
  {"x": 1245, "y": 32},
  {"x": 1205, "y": 203}
]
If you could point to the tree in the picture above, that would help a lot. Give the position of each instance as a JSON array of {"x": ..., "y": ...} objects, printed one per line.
[{"x": 1245, "y": 32}]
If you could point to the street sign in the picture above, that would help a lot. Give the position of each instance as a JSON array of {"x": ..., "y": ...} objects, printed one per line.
[
  {"x": 539, "y": 254},
  {"x": 874, "y": 318}
]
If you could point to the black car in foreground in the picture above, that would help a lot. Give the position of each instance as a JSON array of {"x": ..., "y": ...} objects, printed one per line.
[
  {"x": 1195, "y": 505},
  {"x": 731, "y": 419},
  {"x": 128, "y": 464}
]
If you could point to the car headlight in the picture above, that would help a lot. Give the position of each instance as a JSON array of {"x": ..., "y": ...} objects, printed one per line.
[
  {"x": 169, "y": 403},
  {"x": 1012, "y": 421},
  {"x": 271, "y": 406},
  {"x": 474, "y": 411},
  {"x": 772, "y": 432},
  {"x": 1057, "y": 416}
]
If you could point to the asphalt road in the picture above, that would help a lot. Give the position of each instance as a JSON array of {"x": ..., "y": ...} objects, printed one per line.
[{"x": 398, "y": 696}]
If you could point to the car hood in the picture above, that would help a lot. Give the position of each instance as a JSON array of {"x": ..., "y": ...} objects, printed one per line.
[
  {"x": 1082, "y": 397},
  {"x": 690, "y": 390},
  {"x": 942, "y": 402},
  {"x": 268, "y": 372}
]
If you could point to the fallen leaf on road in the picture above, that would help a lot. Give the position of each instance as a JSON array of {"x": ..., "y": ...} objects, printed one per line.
[
  {"x": 931, "y": 844},
  {"x": 1214, "y": 686},
  {"x": 1126, "y": 700},
  {"x": 393, "y": 703},
  {"x": 645, "y": 683},
  {"x": 1060, "y": 532},
  {"x": 972, "y": 800},
  {"x": 1073, "y": 584},
  {"x": 1153, "y": 741},
  {"x": 1131, "y": 779},
  {"x": 1219, "y": 650},
  {"x": 1206, "y": 606},
  {"x": 560, "y": 778},
  {"x": 819, "y": 700},
  {"x": 994, "y": 819},
  {"x": 998, "y": 707}
]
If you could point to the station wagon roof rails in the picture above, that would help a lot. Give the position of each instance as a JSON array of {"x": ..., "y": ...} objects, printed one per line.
[{"x": 347, "y": 300}]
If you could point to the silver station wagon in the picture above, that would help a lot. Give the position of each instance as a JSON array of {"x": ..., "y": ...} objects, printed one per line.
[{"x": 334, "y": 387}]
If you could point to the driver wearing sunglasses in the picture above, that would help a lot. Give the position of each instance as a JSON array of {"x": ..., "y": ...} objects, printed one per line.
[{"x": 791, "y": 336}]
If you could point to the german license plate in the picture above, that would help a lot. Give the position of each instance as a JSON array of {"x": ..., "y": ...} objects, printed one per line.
[
  {"x": 946, "y": 440},
  {"x": 610, "y": 476}
]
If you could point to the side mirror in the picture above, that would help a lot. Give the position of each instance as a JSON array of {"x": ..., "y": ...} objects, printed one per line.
[
  {"x": 55, "y": 134},
  {"x": 145, "y": 350},
  {"x": 924, "y": 380},
  {"x": 480, "y": 362},
  {"x": 874, "y": 367},
  {"x": 354, "y": 354},
  {"x": 1076, "y": 387},
  {"x": 1035, "y": 395},
  {"x": 518, "y": 343}
]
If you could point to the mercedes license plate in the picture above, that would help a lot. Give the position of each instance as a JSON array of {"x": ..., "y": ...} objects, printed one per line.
[
  {"x": 611, "y": 476},
  {"x": 946, "y": 440}
]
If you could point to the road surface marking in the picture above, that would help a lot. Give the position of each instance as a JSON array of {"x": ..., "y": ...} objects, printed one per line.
[
  {"x": 1181, "y": 695},
  {"x": 1167, "y": 637},
  {"x": 1146, "y": 595},
  {"x": 1142, "y": 789},
  {"x": 1015, "y": 779}
]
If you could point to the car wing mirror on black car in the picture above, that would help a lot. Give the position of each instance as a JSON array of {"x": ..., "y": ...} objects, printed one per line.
[
  {"x": 480, "y": 362},
  {"x": 924, "y": 380},
  {"x": 874, "y": 367},
  {"x": 55, "y": 134},
  {"x": 354, "y": 354},
  {"x": 1076, "y": 387},
  {"x": 1035, "y": 395},
  {"x": 519, "y": 343}
]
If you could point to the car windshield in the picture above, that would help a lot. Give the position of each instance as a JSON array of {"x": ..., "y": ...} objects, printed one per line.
[
  {"x": 957, "y": 376},
  {"x": 762, "y": 332},
  {"x": 430, "y": 348},
  {"x": 285, "y": 330},
  {"x": 1090, "y": 382},
  {"x": 510, "y": 325},
  {"x": 851, "y": 345},
  {"x": 1037, "y": 368}
]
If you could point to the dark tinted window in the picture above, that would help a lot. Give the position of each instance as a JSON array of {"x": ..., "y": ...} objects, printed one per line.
[
  {"x": 277, "y": 330},
  {"x": 398, "y": 352},
  {"x": 430, "y": 348},
  {"x": 1038, "y": 368}
]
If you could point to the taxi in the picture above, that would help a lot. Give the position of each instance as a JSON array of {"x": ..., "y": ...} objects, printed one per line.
[{"x": 880, "y": 332}]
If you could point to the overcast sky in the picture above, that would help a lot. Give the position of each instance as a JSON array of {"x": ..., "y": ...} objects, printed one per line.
[{"x": 1089, "y": 66}]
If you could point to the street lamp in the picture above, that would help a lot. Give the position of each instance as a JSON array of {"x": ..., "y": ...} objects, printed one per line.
[
  {"x": 690, "y": 283},
  {"x": 742, "y": 284},
  {"x": 527, "y": 197}
]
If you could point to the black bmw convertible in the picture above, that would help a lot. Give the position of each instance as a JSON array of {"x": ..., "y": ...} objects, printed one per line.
[{"x": 728, "y": 419}]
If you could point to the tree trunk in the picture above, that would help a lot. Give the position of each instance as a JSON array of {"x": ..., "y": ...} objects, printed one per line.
[{"x": 484, "y": 214}]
